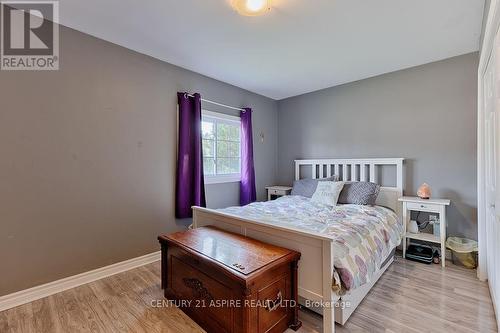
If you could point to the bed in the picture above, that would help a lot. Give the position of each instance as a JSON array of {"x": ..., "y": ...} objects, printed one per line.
[{"x": 317, "y": 274}]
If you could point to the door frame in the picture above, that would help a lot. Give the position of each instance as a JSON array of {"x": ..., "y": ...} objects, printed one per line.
[{"x": 491, "y": 28}]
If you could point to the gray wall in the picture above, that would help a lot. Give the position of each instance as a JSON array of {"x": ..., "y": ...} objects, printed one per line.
[
  {"x": 88, "y": 159},
  {"x": 487, "y": 4},
  {"x": 426, "y": 114}
]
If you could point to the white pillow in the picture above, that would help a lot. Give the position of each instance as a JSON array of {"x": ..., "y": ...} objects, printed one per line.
[{"x": 327, "y": 192}]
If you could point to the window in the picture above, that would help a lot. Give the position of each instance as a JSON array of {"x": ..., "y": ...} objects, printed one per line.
[{"x": 221, "y": 147}]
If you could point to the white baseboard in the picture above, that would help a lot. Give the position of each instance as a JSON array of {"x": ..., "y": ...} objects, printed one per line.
[{"x": 44, "y": 290}]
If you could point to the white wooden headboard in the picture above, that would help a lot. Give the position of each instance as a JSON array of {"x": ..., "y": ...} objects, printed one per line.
[{"x": 359, "y": 169}]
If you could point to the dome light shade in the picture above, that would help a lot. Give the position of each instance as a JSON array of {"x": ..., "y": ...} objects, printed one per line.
[{"x": 251, "y": 7}]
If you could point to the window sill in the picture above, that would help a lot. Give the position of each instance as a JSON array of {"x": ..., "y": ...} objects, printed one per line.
[{"x": 209, "y": 180}]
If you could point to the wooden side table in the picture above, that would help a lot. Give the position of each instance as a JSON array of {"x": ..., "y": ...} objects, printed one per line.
[
  {"x": 434, "y": 206},
  {"x": 274, "y": 192}
]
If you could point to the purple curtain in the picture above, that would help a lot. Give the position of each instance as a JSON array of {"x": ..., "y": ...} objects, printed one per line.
[
  {"x": 190, "y": 187},
  {"x": 247, "y": 187}
]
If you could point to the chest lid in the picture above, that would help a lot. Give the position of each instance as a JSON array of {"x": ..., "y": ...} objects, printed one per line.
[{"x": 239, "y": 253}]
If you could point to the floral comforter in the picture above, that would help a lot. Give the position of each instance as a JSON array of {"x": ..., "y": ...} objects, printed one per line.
[{"x": 363, "y": 235}]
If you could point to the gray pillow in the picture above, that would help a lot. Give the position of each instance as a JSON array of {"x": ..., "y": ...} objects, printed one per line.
[
  {"x": 359, "y": 193},
  {"x": 307, "y": 187}
]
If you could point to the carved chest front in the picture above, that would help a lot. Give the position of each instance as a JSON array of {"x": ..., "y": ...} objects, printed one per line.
[{"x": 230, "y": 283}]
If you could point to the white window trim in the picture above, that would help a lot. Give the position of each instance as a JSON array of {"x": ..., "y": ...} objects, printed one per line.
[
  {"x": 220, "y": 179},
  {"x": 219, "y": 115},
  {"x": 223, "y": 178}
]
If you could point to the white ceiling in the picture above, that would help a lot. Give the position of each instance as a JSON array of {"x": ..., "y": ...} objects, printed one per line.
[{"x": 300, "y": 46}]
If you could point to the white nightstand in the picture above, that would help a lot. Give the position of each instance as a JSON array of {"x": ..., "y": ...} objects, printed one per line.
[
  {"x": 435, "y": 206},
  {"x": 274, "y": 192}
]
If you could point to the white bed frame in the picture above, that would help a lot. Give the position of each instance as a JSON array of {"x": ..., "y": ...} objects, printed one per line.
[{"x": 316, "y": 263}]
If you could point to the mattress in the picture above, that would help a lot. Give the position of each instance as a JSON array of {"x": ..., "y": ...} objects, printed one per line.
[{"x": 363, "y": 236}]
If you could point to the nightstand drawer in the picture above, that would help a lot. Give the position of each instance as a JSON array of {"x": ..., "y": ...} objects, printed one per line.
[
  {"x": 274, "y": 192},
  {"x": 426, "y": 207}
]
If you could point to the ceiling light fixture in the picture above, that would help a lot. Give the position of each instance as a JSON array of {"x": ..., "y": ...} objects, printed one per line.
[{"x": 251, "y": 7}]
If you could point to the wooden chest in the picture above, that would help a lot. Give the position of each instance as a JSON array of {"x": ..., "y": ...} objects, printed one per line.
[{"x": 230, "y": 283}]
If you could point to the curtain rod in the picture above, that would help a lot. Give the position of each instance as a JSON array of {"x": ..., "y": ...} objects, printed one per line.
[{"x": 219, "y": 104}]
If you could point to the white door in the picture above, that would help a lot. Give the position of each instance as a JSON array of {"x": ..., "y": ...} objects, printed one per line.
[{"x": 492, "y": 146}]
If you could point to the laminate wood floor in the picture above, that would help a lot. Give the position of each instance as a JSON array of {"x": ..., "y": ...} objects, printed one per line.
[{"x": 409, "y": 297}]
